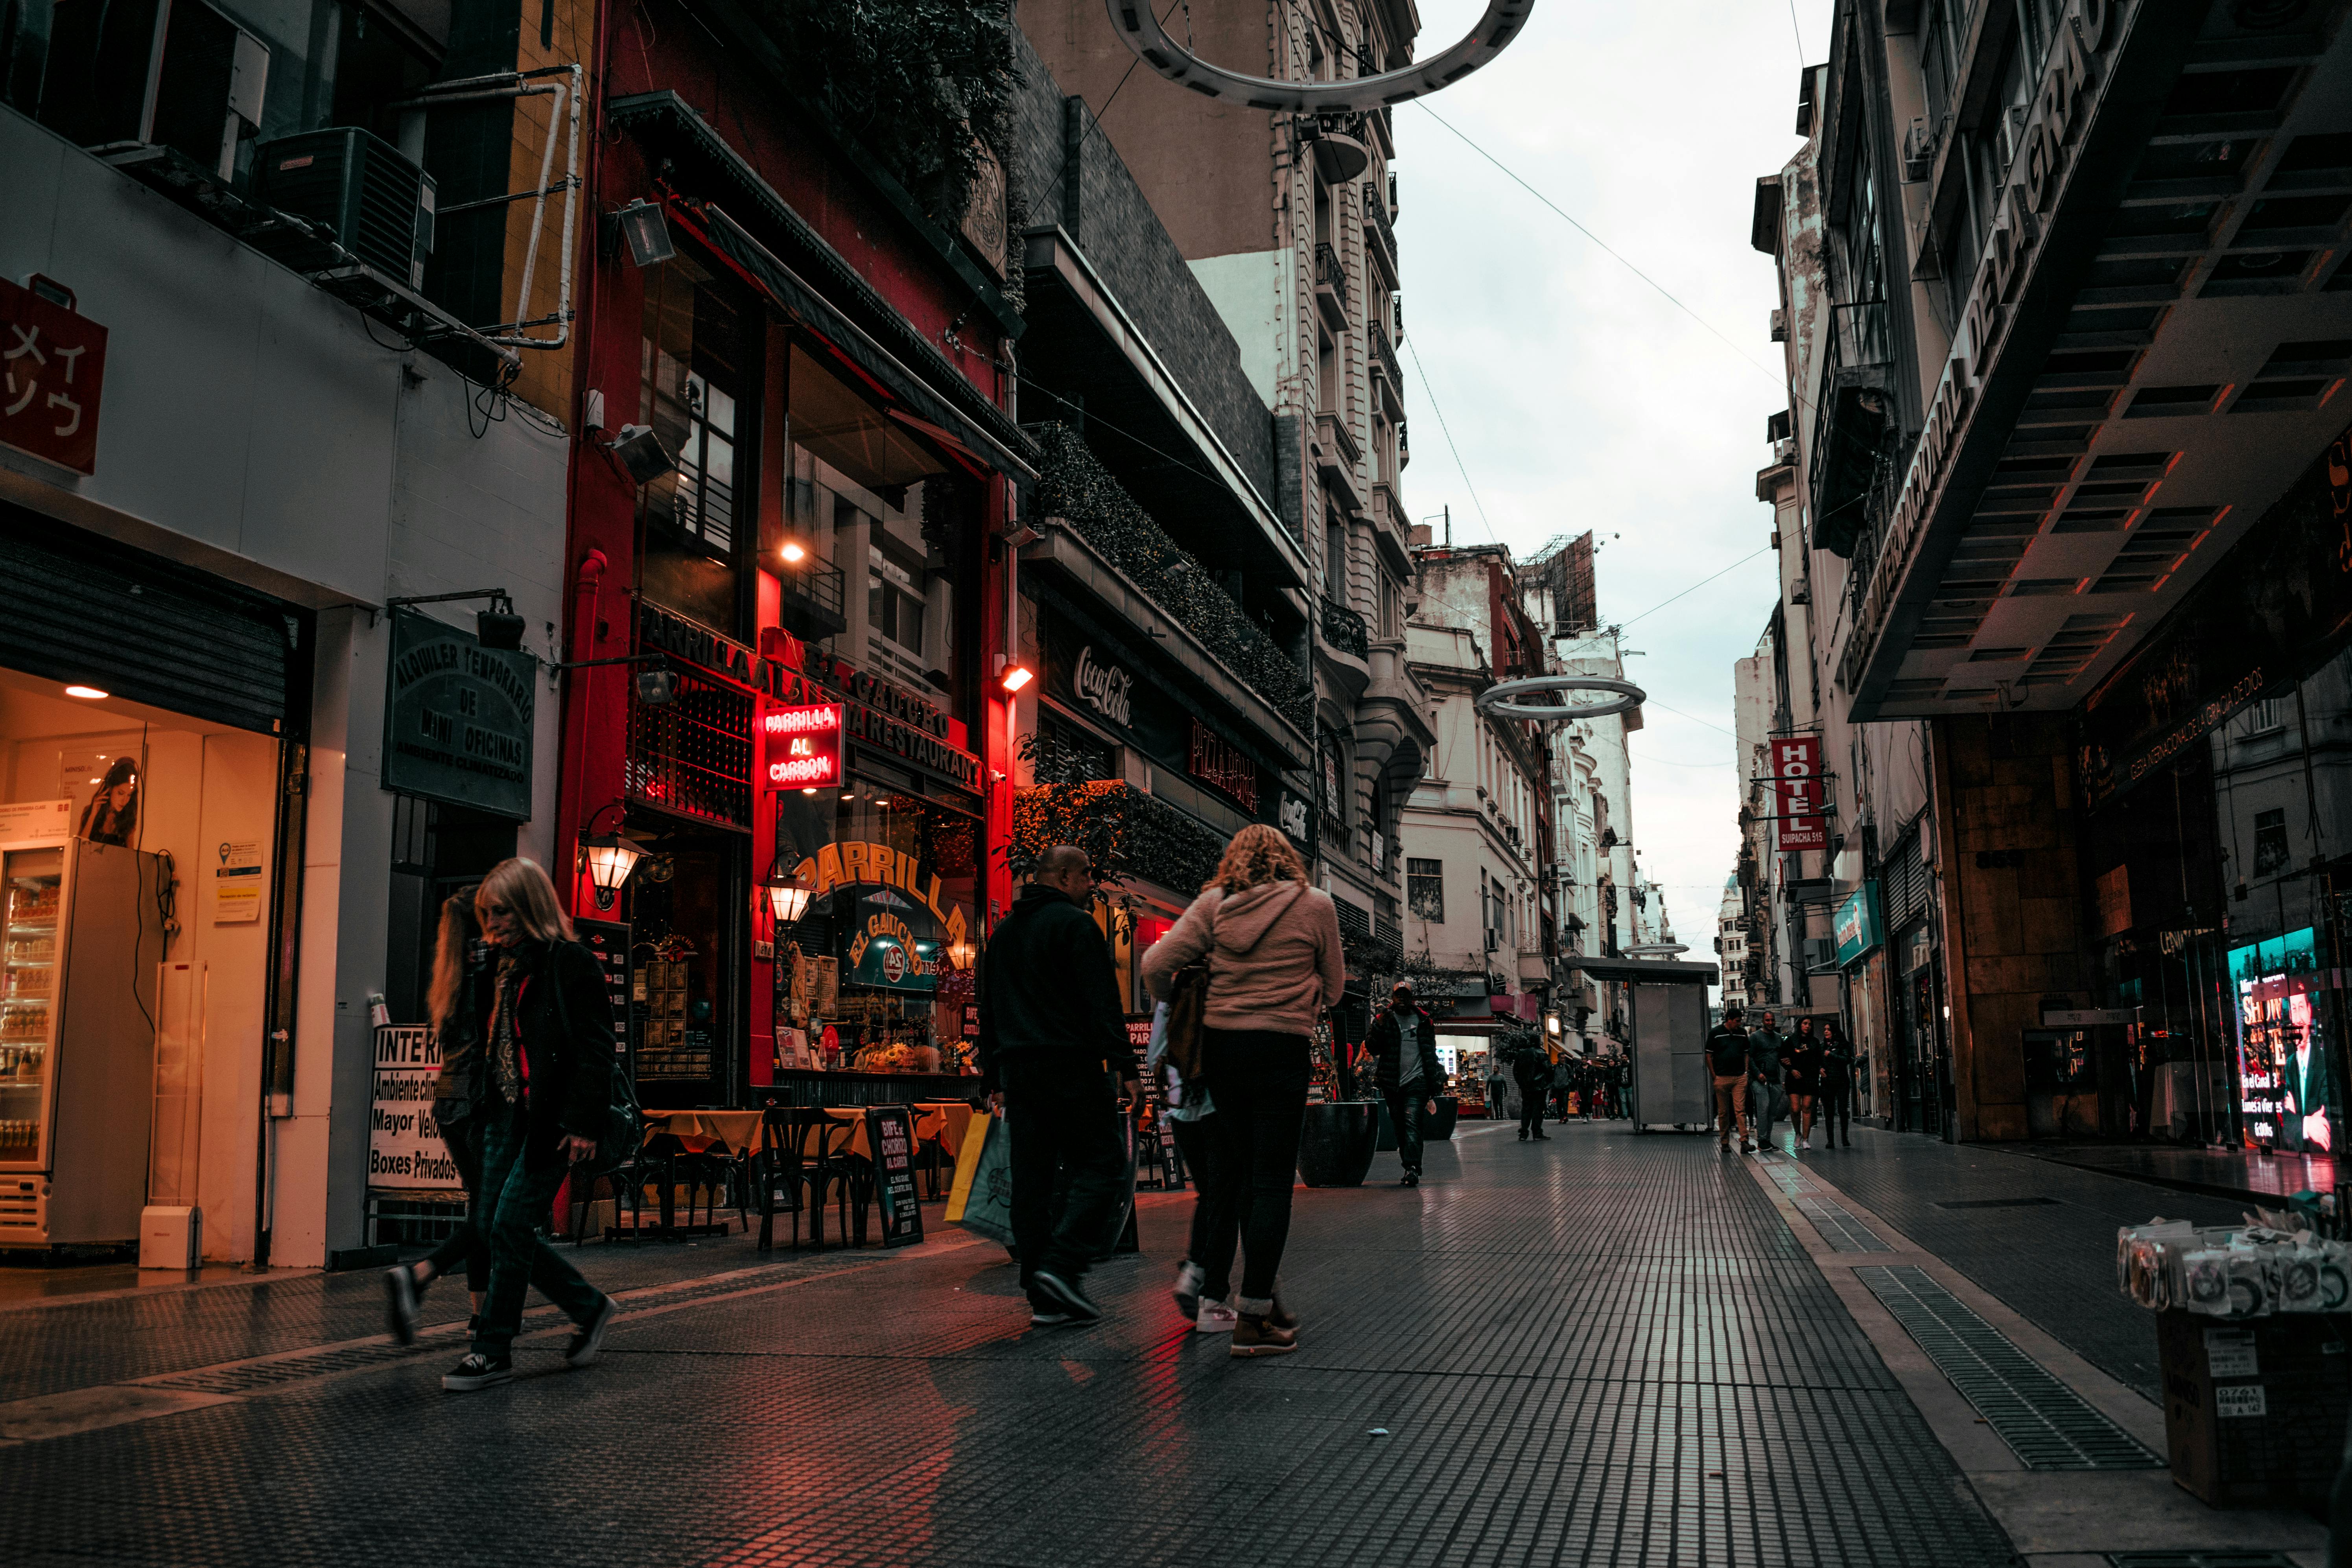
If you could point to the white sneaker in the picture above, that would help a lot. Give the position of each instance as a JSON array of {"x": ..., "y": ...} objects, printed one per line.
[{"x": 1216, "y": 1318}]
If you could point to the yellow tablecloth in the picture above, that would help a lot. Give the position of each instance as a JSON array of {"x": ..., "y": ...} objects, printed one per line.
[
  {"x": 943, "y": 1120},
  {"x": 710, "y": 1131}
]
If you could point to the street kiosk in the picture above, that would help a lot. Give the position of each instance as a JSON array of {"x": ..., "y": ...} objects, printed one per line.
[{"x": 1665, "y": 1002}]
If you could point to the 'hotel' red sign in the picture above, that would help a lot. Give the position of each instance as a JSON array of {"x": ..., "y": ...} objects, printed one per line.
[{"x": 1797, "y": 780}]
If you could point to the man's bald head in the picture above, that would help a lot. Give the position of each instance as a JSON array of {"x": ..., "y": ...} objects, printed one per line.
[{"x": 1065, "y": 868}]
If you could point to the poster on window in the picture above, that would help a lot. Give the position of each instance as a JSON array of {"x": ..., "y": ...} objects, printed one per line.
[{"x": 2282, "y": 1045}]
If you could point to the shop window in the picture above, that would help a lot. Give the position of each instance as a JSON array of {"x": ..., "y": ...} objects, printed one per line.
[
  {"x": 695, "y": 356},
  {"x": 1425, "y": 890},
  {"x": 2270, "y": 852}
]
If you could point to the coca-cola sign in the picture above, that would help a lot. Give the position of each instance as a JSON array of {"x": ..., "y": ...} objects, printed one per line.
[{"x": 1103, "y": 687}]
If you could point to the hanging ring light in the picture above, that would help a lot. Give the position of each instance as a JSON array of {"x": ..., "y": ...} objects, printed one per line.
[
  {"x": 1500, "y": 699},
  {"x": 1139, "y": 29}
]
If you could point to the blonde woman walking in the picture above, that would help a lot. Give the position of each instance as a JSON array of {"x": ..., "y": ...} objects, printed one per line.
[
  {"x": 1272, "y": 944},
  {"x": 546, "y": 1073}
]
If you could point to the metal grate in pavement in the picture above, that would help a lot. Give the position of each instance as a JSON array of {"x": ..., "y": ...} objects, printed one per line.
[
  {"x": 1839, "y": 1226},
  {"x": 2200, "y": 1559},
  {"x": 1997, "y": 1204},
  {"x": 2047, "y": 1424}
]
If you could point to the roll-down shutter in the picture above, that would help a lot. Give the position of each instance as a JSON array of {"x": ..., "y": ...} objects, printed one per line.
[{"x": 84, "y": 609}]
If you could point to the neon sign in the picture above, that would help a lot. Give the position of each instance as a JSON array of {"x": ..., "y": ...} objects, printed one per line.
[{"x": 804, "y": 745}]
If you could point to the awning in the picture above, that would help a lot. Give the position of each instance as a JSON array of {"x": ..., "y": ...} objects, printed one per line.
[
  {"x": 777, "y": 251},
  {"x": 1637, "y": 969}
]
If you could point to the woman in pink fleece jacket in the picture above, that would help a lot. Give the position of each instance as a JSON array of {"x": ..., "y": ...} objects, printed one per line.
[{"x": 1273, "y": 948}]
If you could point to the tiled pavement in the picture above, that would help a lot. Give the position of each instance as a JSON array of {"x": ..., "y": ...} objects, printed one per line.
[{"x": 1601, "y": 1349}]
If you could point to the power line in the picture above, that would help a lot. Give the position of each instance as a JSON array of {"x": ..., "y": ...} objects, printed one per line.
[
  {"x": 1779, "y": 381},
  {"x": 1695, "y": 588},
  {"x": 1447, "y": 432},
  {"x": 1654, "y": 702},
  {"x": 1799, "y": 31}
]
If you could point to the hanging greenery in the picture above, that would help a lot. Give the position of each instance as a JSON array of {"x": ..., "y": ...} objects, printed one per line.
[
  {"x": 926, "y": 85},
  {"x": 1128, "y": 836},
  {"x": 1073, "y": 484}
]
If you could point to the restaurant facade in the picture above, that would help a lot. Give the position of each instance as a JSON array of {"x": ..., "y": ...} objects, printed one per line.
[{"x": 786, "y": 745}]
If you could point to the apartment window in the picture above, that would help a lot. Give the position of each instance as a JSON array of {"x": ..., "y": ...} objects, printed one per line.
[
  {"x": 1335, "y": 563},
  {"x": 894, "y": 605},
  {"x": 695, "y": 355},
  {"x": 2270, "y": 852},
  {"x": 1425, "y": 890},
  {"x": 1335, "y": 774}
]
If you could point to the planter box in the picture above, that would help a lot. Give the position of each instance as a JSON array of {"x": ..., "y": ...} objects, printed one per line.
[
  {"x": 1439, "y": 1129},
  {"x": 2254, "y": 1410}
]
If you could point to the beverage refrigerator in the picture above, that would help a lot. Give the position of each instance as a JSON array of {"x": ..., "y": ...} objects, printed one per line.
[{"x": 80, "y": 943}]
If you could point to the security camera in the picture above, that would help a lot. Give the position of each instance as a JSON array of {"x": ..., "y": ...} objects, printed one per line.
[{"x": 657, "y": 686}]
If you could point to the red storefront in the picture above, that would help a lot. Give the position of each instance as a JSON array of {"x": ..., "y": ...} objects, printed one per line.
[{"x": 813, "y": 541}]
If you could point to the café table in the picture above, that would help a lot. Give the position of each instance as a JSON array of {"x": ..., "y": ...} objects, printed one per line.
[{"x": 717, "y": 1135}]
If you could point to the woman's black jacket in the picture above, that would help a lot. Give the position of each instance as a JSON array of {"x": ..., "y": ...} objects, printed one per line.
[{"x": 565, "y": 1019}]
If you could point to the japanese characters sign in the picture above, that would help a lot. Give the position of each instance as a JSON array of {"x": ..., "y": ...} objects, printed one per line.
[
  {"x": 52, "y": 364},
  {"x": 1797, "y": 789}
]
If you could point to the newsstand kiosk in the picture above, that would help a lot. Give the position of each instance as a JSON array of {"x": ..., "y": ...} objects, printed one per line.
[{"x": 1665, "y": 1002}]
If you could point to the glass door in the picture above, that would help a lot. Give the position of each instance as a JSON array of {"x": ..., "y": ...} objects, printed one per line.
[{"x": 31, "y": 895}]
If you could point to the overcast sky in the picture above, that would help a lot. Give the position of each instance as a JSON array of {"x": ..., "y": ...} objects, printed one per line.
[{"x": 1580, "y": 396}]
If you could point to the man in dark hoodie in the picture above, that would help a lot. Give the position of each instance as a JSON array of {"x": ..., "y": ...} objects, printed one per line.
[
  {"x": 1404, "y": 1044},
  {"x": 1051, "y": 1035}
]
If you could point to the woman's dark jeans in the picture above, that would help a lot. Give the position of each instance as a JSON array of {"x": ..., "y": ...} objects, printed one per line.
[
  {"x": 465, "y": 1243},
  {"x": 1197, "y": 1142},
  {"x": 510, "y": 1206},
  {"x": 1259, "y": 1079}
]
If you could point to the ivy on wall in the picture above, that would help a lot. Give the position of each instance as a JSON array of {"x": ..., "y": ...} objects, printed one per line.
[
  {"x": 1073, "y": 484},
  {"x": 1128, "y": 836},
  {"x": 926, "y": 85}
]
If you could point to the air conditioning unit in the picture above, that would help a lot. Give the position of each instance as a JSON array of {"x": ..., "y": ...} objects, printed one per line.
[
  {"x": 162, "y": 73},
  {"x": 1784, "y": 452},
  {"x": 1918, "y": 153},
  {"x": 379, "y": 205},
  {"x": 1779, "y": 326},
  {"x": 1800, "y": 592}
]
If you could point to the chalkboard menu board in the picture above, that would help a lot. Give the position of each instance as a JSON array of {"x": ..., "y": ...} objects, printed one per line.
[
  {"x": 1157, "y": 1162},
  {"x": 609, "y": 941},
  {"x": 890, "y": 1133}
]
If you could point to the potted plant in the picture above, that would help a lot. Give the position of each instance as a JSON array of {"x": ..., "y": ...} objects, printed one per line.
[{"x": 1335, "y": 1146}]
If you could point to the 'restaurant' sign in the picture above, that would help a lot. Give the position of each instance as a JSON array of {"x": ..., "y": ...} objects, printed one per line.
[
  {"x": 892, "y": 719},
  {"x": 52, "y": 366},
  {"x": 458, "y": 719},
  {"x": 1797, "y": 783}
]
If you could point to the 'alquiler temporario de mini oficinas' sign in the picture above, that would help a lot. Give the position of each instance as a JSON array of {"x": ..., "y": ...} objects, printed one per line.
[{"x": 458, "y": 719}]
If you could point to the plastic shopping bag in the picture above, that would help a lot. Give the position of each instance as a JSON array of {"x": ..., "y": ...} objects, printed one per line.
[{"x": 982, "y": 1199}]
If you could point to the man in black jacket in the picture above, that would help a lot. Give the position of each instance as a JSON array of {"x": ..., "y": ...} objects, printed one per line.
[
  {"x": 1403, "y": 1043},
  {"x": 1052, "y": 1033},
  {"x": 1726, "y": 1064}
]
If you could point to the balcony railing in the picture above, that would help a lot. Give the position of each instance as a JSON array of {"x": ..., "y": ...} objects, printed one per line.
[
  {"x": 1382, "y": 233},
  {"x": 1385, "y": 359},
  {"x": 1852, "y": 425},
  {"x": 1344, "y": 629},
  {"x": 810, "y": 602},
  {"x": 1330, "y": 272}
]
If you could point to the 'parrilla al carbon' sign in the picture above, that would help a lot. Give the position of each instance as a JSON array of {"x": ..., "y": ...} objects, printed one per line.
[{"x": 458, "y": 719}]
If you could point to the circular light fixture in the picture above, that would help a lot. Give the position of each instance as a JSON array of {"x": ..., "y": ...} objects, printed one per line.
[
  {"x": 809, "y": 791},
  {"x": 610, "y": 858},
  {"x": 1139, "y": 30},
  {"x": 1499, "y": 699},
  {"x": 88, "y": 693},
  {"x": 794, "y": 551}
]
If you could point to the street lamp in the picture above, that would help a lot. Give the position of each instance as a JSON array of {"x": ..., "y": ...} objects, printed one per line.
[
  {"x": 610, "y": 858},
  {"x": 788, "y": 891}
]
